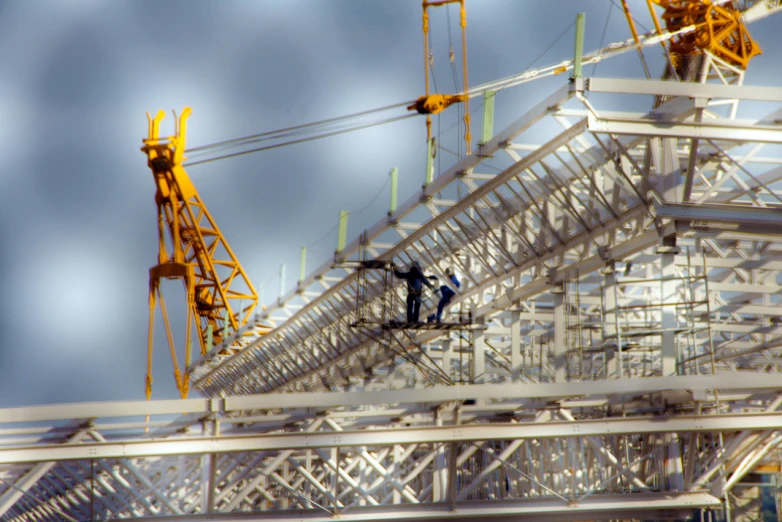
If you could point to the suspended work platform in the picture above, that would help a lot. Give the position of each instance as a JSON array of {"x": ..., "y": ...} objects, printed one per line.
[{"x": 431, "y": 326}]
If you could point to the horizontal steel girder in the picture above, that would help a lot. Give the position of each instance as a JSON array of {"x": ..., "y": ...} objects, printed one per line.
[
  {"x": 380, "y": 437},
  {"x": 638, "y": 505},
  {"x": 694, "y": 385}
]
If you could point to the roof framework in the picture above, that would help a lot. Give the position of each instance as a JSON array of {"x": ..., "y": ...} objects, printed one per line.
[
  {"x": 621, "y": 271},
  {"x": 591, "y": 227},
  {"x": 541, "y": 451}
]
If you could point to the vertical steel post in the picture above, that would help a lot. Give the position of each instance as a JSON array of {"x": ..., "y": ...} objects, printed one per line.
[
  {"x": 440, "y": 464},
  {"x": 447, "y": 355},
  {"x": 209, "y": 464},
  {"x": 515, "y": 345},
  {"x": 579, "y": 47},
  {"x": 430, "y": 152},
  {"x": 560, "y": 334},
  {"x": 282, "y": 280},
  {"x": 303, "y": 267},
  {"x": 669, "y": 292},
  {"x": 343, "y": 230},
  {"x": 478, "y": 367},
  {"x": 488, "y": 117},
  {"x": 209, "y": 338},
  {"x": 610, "y": 321},
  {"x": 394, "y": 178},
  {"x": 396, "y": 498}
]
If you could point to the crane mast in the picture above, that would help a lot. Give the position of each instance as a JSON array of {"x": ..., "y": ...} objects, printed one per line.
[{"x": 220, "y": 297}]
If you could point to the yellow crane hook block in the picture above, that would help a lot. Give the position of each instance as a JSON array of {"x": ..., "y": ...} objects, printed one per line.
[{"x": 435, "y": 103}]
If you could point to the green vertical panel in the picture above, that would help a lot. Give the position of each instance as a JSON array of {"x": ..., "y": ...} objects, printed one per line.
[
  {"x": 303, "y": 263},
  {"x": 392, "y": 206},
  {"x": 429, "y": 160},
  {"x": 209, "y": 339},
  {"x": 343, "y": 230},
  {"x": 488, "y": 116},
  {"x": 579, "y": 50}
]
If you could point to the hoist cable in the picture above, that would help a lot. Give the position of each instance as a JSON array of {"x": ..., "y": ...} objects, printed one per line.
[
  {"x": 430, "y": 61},
  {"x": 603, "y": 37},
  {"x": 335, "y": 126},
  {"x": 538, "y": 57},
  {"x": 508, "y": 81},
  {"x": 351, "y": 212},
  {"x": 450, "y": 49},
  {"x": 302, "y": 140},
  {"x": 455, "y": 76},
  {"x": 499, "y": 85},
  {"x": 298, "y": 127}
]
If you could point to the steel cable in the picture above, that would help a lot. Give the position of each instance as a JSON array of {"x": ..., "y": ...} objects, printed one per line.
[
  {"x": 298, "y": 127},
  {"x": 301, "y": 140}
]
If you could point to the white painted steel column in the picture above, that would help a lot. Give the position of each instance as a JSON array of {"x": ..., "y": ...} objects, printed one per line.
[
  {"x": 610, "y": 331},
  {"x": 665, "y": 160},
  {"x": 209, "y": 465},
  {"x": 515, "y": 344},
  {"x": 560, "y": 334},
  {"x": 669, "y": 294},
  {"x": 447, "y": 355},
  {"x": 396, "y": 496},
  {"x": 440, "y": 475},
  {"x": 478, "y": 366},
  {"x": 674, "y": 471}
]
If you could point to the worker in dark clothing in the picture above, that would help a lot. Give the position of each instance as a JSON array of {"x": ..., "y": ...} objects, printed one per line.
[
  {"x": 415, "y": 286},
  {"x": 446, "y": 293}
]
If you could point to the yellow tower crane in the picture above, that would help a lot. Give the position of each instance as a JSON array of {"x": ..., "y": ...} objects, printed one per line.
[
  {"x": 718, "y": 29},
  {"x": 220, "y": 296}
]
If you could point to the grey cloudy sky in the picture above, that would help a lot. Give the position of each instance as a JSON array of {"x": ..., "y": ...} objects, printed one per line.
[{"x": 76, "y": 198}]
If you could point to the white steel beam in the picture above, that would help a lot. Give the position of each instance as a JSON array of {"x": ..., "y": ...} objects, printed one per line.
[
  {"x": 693, "y": 130},
  {"x": 686, "y": 89},
  {"x": 380, "y": 437},
  {"x": 667, "y": 504}
]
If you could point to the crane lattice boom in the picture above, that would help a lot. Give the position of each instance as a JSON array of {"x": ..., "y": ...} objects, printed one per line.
[{"x": 220, "y": 296}]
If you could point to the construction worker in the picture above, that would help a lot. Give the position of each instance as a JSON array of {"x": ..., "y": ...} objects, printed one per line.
[
  {"x": 415, "y": 286},
  {"x": 446, "y": 293}
]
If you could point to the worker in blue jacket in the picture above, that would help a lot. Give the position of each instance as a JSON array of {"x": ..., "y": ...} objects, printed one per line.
[
  {"x": 415, "y": 287},
  {"x": 446, "y": 293}
]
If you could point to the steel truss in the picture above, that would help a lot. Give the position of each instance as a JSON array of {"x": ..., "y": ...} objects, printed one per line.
[
  {"x": 592, "y": 227},
  {"x": 540, "y": 451},
  {"x": 623, "y": 269}
]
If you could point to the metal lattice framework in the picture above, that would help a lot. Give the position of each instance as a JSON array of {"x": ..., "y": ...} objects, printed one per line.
[
  {"x": 622, "y": 274},
  {"x": 600, "y": 226},
  {"x": 520, "y": 451},
  {"x": 621, "y": 270}
]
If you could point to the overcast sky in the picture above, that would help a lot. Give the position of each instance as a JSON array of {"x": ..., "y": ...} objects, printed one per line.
[{"x": 77, "y": 205}]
